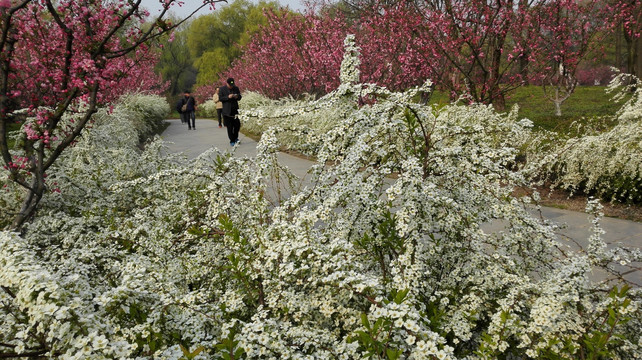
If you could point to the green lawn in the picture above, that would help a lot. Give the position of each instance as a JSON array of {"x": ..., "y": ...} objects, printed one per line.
[
  {"x": 585, "y": 103},
  {"x": 12, "y": 127}
]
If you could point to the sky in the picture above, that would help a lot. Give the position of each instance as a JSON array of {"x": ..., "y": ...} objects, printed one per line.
[{"x": 190, "y": 5}]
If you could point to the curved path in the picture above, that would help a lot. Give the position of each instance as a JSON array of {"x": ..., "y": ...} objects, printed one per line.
[
  {"x": 208, "y": 134},
  {"x": 577, "y": 225}
]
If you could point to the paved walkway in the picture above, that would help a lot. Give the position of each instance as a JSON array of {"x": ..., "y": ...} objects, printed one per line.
[
  {"x": 207, "y": 134},
  {"x": 577, "y": 225}
]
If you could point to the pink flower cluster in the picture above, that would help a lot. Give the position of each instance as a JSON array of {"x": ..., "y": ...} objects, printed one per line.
[
  {"x": 50, "y": 61},
  {"x": 476, "y": 47},
  {"x": 19, "y": 162}
]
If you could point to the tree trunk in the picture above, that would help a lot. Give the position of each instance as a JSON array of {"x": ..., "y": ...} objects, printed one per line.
[
  {"x": 558, "y": 107},
  {"x": 523, "y": 61},
  {"x": 500, "y": 102},
  {"x": 30, "y": 204},
  {"x": 637, "y": 58},
  {"x": 618, "y": 46},
  {"x": 523, "y": 67},
  {"x": 496, "y": 94},
  {"x": 630, "y": 53}
]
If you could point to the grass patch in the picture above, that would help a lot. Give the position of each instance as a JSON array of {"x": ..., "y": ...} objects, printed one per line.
[
  {"x": 439, "y": 98},
  {"x": 12, "y": 127},
  {"x": 585, "y": 105}
]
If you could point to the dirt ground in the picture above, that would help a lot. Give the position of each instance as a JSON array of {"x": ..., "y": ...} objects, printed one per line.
[{"x": 561, "y": 200}]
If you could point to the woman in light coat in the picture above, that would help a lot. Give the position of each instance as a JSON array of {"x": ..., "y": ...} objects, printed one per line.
[{"x": 219, "y": 107}]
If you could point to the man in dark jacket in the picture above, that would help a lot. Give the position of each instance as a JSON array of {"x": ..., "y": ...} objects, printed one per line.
[
  {"x": 186, "y": 107},
  {"x": 179, "y": 106},
  {"x": 230, "y": 95}
]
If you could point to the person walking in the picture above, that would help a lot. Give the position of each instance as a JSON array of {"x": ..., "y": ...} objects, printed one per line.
[
  {"x": 230, "y": 95},
  {"x": 219, "y": 107},
  {"x": 179, "y": 106},
  {"x": 187, "y": 110}
]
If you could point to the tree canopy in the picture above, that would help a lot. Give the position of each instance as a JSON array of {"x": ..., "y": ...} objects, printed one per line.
[{"x": 215, "y": 40}]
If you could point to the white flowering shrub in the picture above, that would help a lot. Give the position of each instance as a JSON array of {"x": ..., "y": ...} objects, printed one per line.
[
  {"x": 145, "y": 112},
  {"x": 116, "y": 134},
  {"x": 250, "y": 100},
  {"x": 301, "y": 123},
  {"x": 351, "y": 61},
  {"x": 207, "y": 109},
  {"x": 607, "y": 164},
  {"x": 382, "y": 255}
]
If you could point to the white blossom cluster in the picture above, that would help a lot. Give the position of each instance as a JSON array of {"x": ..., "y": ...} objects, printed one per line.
[
  {"x": 350, "y": 65},
  {"x": 606, "y": 164},
  {"x": 381, "y": 254},
  {"x": 207, "y": 109},
  {"x": 250, "y": 100}
]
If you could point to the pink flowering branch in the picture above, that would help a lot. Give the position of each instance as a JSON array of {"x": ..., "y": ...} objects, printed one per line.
[{"x": 65, "y": 57}]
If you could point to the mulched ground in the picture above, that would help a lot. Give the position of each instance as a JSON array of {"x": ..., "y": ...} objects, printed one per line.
[{"x": 560, "y": 199}]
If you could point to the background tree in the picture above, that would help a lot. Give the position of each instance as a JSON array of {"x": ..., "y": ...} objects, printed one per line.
[
  {"x": 483, "y": 44},
  {"x": 401, "y": 45},
  {"x": 210, "y": 64},
  {"x": 482, "y": 50},
  {"x": 293, "y": 54},
  {"x": 567, "y": 30},
  {"x": 395, "y": 47},
  {"x": 214, "y": 39},
  {"x": 300, "y": 53},
  {"x": 176, "y": 63},
  {"x": 629, "y": 12}
]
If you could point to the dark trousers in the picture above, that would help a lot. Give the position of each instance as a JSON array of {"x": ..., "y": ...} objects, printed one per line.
[
  {"x": 186, "y": 116},
  {"x": 233, "y": 126},
  {"x": 218, "y": 115}
]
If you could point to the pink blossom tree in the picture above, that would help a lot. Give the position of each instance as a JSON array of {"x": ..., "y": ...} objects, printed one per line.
[
  {"x": 465, "y": 46},
  {"x": 483, "y": 44},
  {"x": 479, "y": 49},
  {"x": 567, "y": 32},
  {"x": 293, "y": 54},
  {"x": 396, "y": 50},
  {"x": 297, "y": 54},
  {"x": 61, "y": 58}
]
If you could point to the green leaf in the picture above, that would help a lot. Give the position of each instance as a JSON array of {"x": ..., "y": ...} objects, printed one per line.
[
  {"x": 377, "y": 325},
  {"x": 184, "y": 350},
  {"x": 401, "y": 296},
  {"x": 393, "y": 354},
  {"x": 365, "y": 339},
  {"x": 364, "y": 321},
  {"x": 626, "y": 302},
  {"x": 198, "y": 350},
  {"x": 153, "y": 345},
  {"x": 505, "y": 316},
  {"x": 624, "y": 290}
]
